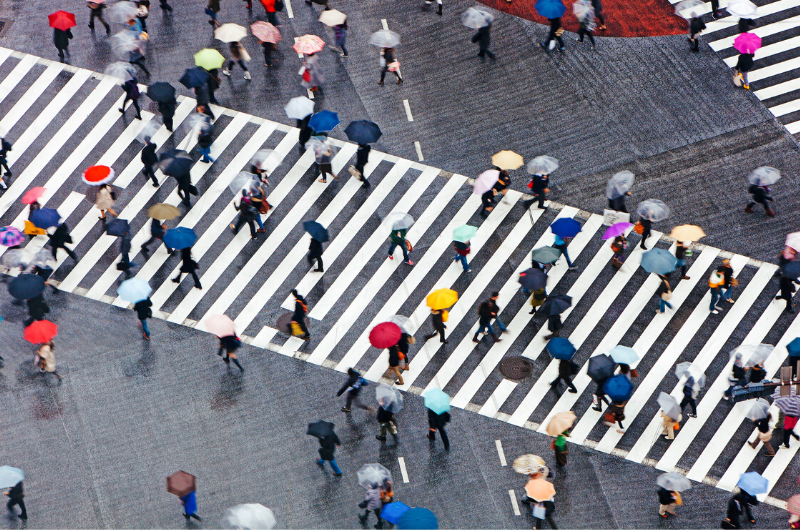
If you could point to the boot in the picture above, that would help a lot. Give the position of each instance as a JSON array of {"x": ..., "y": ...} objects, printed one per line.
[
  {"x": 497, "y": 338},
  {"x": 748, "y": 209},
  {"x": 440, "y": 10},
  {"x": 475, "y": 339},
  {"x": 431, "y": 435},
  {"x": 770, "y": 212}
]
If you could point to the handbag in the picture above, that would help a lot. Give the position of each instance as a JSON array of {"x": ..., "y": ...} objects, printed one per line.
[
  {"x": 33, "y": 230},
  {"x": 408, "y": 245},
  {"x": 354, "y": 172},
  {"x": 296, "y": 329},
  {"x": 445, "y": 315},
  {"x": 306, "y": 76},
  {"x": 737, "y": 80},
  {"x": 245, "y": 56},
  {"x": 264, "y": 207},
  {"x": 393, "y": 67},
  {"x": 639, "y": 228},
  {"x": 667, "y": 295},
  {"x": 677, "y": 497},
  {"x": 530, "y": 184}
]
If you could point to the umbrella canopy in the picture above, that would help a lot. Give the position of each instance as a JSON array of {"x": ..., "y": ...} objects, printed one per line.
[
  {"x": 561, "y": 348},
  {"x": 792, "y": 240},
  {"x": 230, "y": 32},
  {"x": 181, "y": 483},
  {"x": 560, "y": 422},
  {"x": 403, "y": 322},
  {"x": 26, "y": 286},
  {"x": 753, "y": 483},
  {"x": 122, "y": 12},
  {"x": 147, "y": 132},
  {"x": 266, "y": 32},
  {"x": 332, "y": 17},
  {"x": 550, "y": 8},
  {"x": 542, "y": 165},
  {"x": 687, "y": 233},
  {"x": 582, "y": 9},
  {"x": 618, "y": 388},
  {"x": 134, "y": 290},
  {"x": 299, "y": 107},
  {"x": 98, "y": 175},
  {"x": 694, "y": 376},
  {"x": 124, "y": 71},
  {"x": 557, "y": 304},
  {"x": 126, "y": 45},
  {"x": 399, "y": 221},
  {"x": 389, "y": 398},
  {"x": 601, "y": 367},
  {"x": 18, "y": 257},
  {"x": 623, "y": 355},
  {"x": 175, "y": 163},
  {"x": 393, "y": 511},
  {"x": 180, "y": 238},
  {"x": 566, "y": 227},
  {"x": 10, "y": 477},
  {"x": 10, "y": 236},
  {"x": 619, "y": 184},
  {"x": 540, "y": 490},
  {"x": 545, "y": 254},
  {"x": 261, "y": 156},
  {"x": 372, "y": 474},
  {"x": 317, "y": 231},
  {"x": 45, "y": 218},
  {"x": 753, "y": 353},
  {"x": 61, "y": 20},
  {"x": 437, "y": 401},
  {"x": 765, "y": 175},
  {"x": 617, "y": 229},
  {"x": 384, "y": 39},
  {"x": 529, "y": 464},
  {"x": 220, "y": 325},
  {"x": 118, "y": 227},
  {"x": 476, "y": 19},
  {"x": 161, "y": 92},
  {"x": 418, "y": 519},
  {"x": 747, "y": 43},
  {"x": 308, "y": 44},
  {"x": 324, "y": 121},
  {"x": 194, "y": 77},
  {"x": 793, "y": 505},
  {"x": 385, "y": 335},
  {"x": 742, "y": 8},
  {"x": 653, "y": 209},
  {"x": 669, "y": 405},
  {"x": 320, "y": 429},
  {"x": 507, "y": 160},
  {"x": 40, "y": 331},
  {"x": 659, "y": 261},
  {"x": 791, "y": 269},
  {"x": 464, "y": 233},
  {"x": 485, "y": 181},
  {"x": 789, "y": 405},
  {"x": 441, "y": 298},
  {"x": 674, "y": 482},
  {"x": 533, "y": 279},
  {"x": 321, "y": 147},
  {"x": 209, "y": 59},
  {"x": 688, "y": 8},
  {"x": 758, "y": 410},
  {"x": 250, "y": 517},
  {"x": 244, "y": 181},
  {"x": 362, "y": 131},
  {"x": 794, "y": 347},
  {"x": 163, "y": 211},
  {"x": 34, "y": 194}
]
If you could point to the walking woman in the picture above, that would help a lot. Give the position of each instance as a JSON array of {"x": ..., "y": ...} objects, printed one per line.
[
  {"x": 238, "y": 55},
  {"x": 438, "y": 422},
  {"x": 743, "y": 65},
  {"x": 340, "y": 36},
  {"x": 560, "y": 448},
  {"x": 299, "y": 316},
  {"x": 104, "y": 201},
  {"x": 680, "y": 253},
  {"x": 143, "y": 312},
  {"x": 618, "y": 246},
  {"x": 313, "y": 75},
  {"x": 389, "y": 63},
  {"x": 188, "y": 266},
  {"x": 555, "y": 33},
  {"x": 131, "y": 88},
  {"x": 229, "y": 345},
  {"x": 46, "y": 359},
  {"x": 664, "y": 293}
]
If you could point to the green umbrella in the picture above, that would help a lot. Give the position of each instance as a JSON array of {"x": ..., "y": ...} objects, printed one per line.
[
  {"x": 209, "y": 59},
  {"x": 464, "y": 233},
  {"x": 545, "y": 255}
]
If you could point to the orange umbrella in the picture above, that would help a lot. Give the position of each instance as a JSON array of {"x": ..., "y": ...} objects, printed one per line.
[{"x": 540, "y": 490}]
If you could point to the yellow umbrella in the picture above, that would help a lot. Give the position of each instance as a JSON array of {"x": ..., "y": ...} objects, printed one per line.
[
  {"x": 687, "y": 233},
  {"x": 442, "y": 298},
  {"x": 527, "y": 464},
  {"x": 507, "y": 160},
  {"x": 560, "y": 423},
  {"x": 209, "y": 59},
  {"x": 540, "y": 490},
  {"x": 163, "y": 211}
]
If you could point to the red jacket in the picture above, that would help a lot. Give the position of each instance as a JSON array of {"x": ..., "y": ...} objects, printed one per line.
[{"x": 269, "y": 5}]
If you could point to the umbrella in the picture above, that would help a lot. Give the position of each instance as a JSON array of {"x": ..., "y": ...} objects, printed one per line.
[
  {"x": 230, "y": 32},
  {"x": 688, "y": 8},
  {"x": 418, "y": 519},
  {"x": 403, "y": 322},
  {"x": 126, "y": 44},
  {"x": 26, "y": 286},
  {"x": 747, "y": 43},
  {"x": 321, "y": 147},
  {"x": 260, "y": 157},
  {"x": 124, "y": 71},
  {"x": 485, "y": 181},
  {"x": 42, "y": 258},
  {"x": 147, "y": 132},
  {"x": 163, "y": 211},
  {"x": 362, "y": 131},
  {"x": 793, "y": 505},
  {"x": 618, "y": 388},
  {"x": 220, "y": 325},
  {"x": 441, "y": 298},
  {"x": 565, "y": 227},
  {"x": 476, "y": 19},
  {"x": 209, "y": 59},
  {"x": 393, "y": 511},
  {"x": 118, "y": 227},
  {"x": 582, "y": 9},
  {"x": 542, "y": 165},
  {"x": 98, "y": 175},
  {"x": 623, "y": 355},
  {"x": 317, "y": 231},
  {"x": 694, "y": 377},
  {"x": 371, "y": 474},
  {"x": 742, "y": 8},
  {"x": 533, "y": 279},
  {"x": 45, "y": 218},
  {"x": 794, "y": 347},
  {"x": 764, "y": 176},
  {"x": 389, "y": 398},
  {"x": 753, "y": 483},
  {"x": 181, "y": 483},
  {"x": 180, "y": 238},
  {"x": 324, "y": 121},
  {"x": 10, "y": 477},
  {"x": 540, "y": 490},
  {"x": 61, "y": 20},
  {"x": 399, "y": 220},
  {"x": 464, "y": 233},
  {"x": 320, "y": 429},
  {"x": 250, "y": 517},
  {"x": 617, "y": 229},
  {"x": 758, "y": 410},
  {"x": 789, "y": 405},
  {"x": 792, "y": 240},
  {"x": 674, "y": 482},
  {"x": 557, "y": 304},
  {"x": 653, "y": 209},
  {"x": 561, "y": 348},
  {"x": 265, "y": 32},
  {"x": 40, "y": 331},
  {"x": 199, "y": 121},
  {"x": 753, "y": 353},
  {"x": 243, "y": 181},
  {"x": 384, "y": 39},
  {"x": 299, "y": 107},
  {"x": 122, "y": 12},
  {"x": 194, "y": 77},
  {"x": 385, "y": 335},
  {"x": 601, "y": 367},
  {"x": 687, "y": 233},
  {"x": 619, "y": 184},
  {"x": 332, "y": 17},
  {"x": 308, "y": 44},
  {"x": 529, "y": 464},
  {"x": 10, "y": 236},
  {"x": 34, "y": 194},
  {"x": 507, "y": 160},
  {"x": 550, "y": 8},
  {"x": 560, "y": 422},
  {"x": 659, "y": 261},
  {"x": 545, "y": 255},
  {"x": 134, "y": 290},
  {"x": 669, "y": 405},
  {"x": 18, "y": 257},
  {"x": 437, "y": 401},
  {"x": 175, "y": 162},
  {"x": 791, "y": 269},
  {"x": 161, "y": 92}
]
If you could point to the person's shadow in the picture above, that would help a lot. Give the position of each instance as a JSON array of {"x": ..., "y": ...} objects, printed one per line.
[{"x": 231, "y": 385}]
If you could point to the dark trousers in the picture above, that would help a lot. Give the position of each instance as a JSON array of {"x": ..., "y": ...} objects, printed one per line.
[
  {"x": 185, "y": 196},
  {"x": 165, "y": 6},
  {"x": 567, "y": 381},
  {"x": 485, "y": 51},
  {"x": 134, "y": 102},
  {"x": 153, "y": 239},
  {"x": 787, "y": 433},
  {"x": 70, "y": 253},
  {"x": 267, "y": 53},
  {"x": 143, "y": 22},
  {"x": 61, "y": 52},
  {"x": 549, "y": 520},
  {"x": 312, "y": 258},
  {"x": 99, "y": 16},
  {"x": 436, "y": 330},
  {"x": 150, "y": 173},
  {"x": 241, "y": 221},
  {"x": 353, "y": 398},
  {"x": 443, "y": 433},
  {"x": 232, "y": 63},
  {"x": 645, "y": 235},
  {"x": 365, "y": 516},
  {"x": 765, "y": 204},
  {"x": 168, "y": 121},
  {"x": 550, "y": 36},
  {"x": 139, "y": 61},
  {"x": 177, "y": 279},
  {"x": 688, "y": 400},
  {"x": 714, "y": 6},
  {"x": 386, "y": 69},
  {"x": 18, "y": 502},
  {"x": 581, "y": 33},
  {"x": 272, "y": 18}
]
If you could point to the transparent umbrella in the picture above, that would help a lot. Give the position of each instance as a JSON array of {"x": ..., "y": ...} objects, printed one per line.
[
  {"x": 583, "y": 9},
  {"x": 371, "y": 474},
  {"x": 694, "y": 376},
  {"x": 403, "y": 322},
  {"x": 147, "y": 132},
  {"x": 669, "y": 405},
  {"x": 42, "y": 258},
  {"x": 250, "y": 517},
  {"x": 124, "y": 44},
  {"x": 260, "y": 157},
  {"x": 542, "y": 165},
  {"x": 199, "y": 121},
  {"x": 320, "y": 146},
  {"x": 243, "y": 181},
  {"x": 764, "y": 176},
  {"x": 688, "y": 9},
  {"x": 122, "y": 70},
  {"x": 753, "y": 354},
  {"x": 674, "y": 482},
  {"x": 399, "y": 220},
  {"x": 385, "y": 39},
  {"x": 17, "y": 257},
  {"x": 653, "y": 209},
  {"x": 619, "y": 184},
  {"x": 122, "y": 12},
  {"x": 389, "y": 398},
  {"x": 758, "y": 410},
  {"x": 476, "y": 18},
  {"x": 742, "y": 8}
]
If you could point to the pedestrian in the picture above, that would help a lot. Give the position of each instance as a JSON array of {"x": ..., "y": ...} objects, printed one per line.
[
  {"x": 715, "y": 12},
  {"x": 789, "y": 423},
  {"x": 398, "y": 238},
  {"x": 495, "y": 311},
  {"x": 16, "y": 497},
  {"x": 45, "y": 359},
  {"x": 667, "y": 502},
  {"x": 696, "y": 25},
  {"x": 143, "y": 312},
  {"x": 745, "y": 24},
  {"x": 486, "y": 314},
  {"x": 437, "y": 319},
  {"x": 669, "y": 424},
  {"x": 757, "y": 372},
  {"x": 189, "y": 502},
  {"x": 764, "y": 434},
  {"x": 680, "y": 254},
  {"x": 729, "y": 281},
  {"x": 37, "y": 309},
  {"x": 715, "y": 283},
  {"x": 560, "y": 449},
  {"x": 787, "y": 290},
  {"x": 165, "y": 6},
  {"x": 188, "y": 266},
  {"x": 213, "y": 83},
  {"x": 618, "y": 204},
  {"x": 96, "y": 12},
  {"x": 299, "y": 316},
  {"x": 738, "y": 505},
  {"x": 738, "y": 376},
  {"x": 598, "y": 11},
  {"x": 599, "y": 396},
  {"x": 260, "y": 205},
  {"x": 61, "y": 40},
  {"x": 394, "y": 364},
  {"x": 566, "y": 369},
  {"x": 503, "y": 183},
  {"x": 462, "y": 249},
  {"x": 487, "y": 202},
  {"x": 229, "y": 345},
  {"x": 327, "y": 446},
  {"x": 315, "y": 255},
  {"x": 238, "y": 55},
  {"x": 541, "y": 510},
  {"x": 143, "y": 10},
  {"x": 268, "y": 48},
  {"x": 586, "y": 27},
  {"x": 615, "y": 413},
  {"x": 646, "y": 225},
  {"x": 203, "y": 95},
  {"x": 664, "y": 293},
  {"x": 555, "y": 34},
  {"x": 205, "y": 138},
  {"x": 371, "y": 503},
  {"x": 537, "y": 299},
  {"x": 554, "y": 326},
  {"x": 340, "y": 36},
  {"x": 131, "y": 89},
  {"x": 5, "y": 147},
  {"x": 149, "y": 160},
  {"x": 387, "y": 423},
  {"x": 561, "y": 244},
  {"x": 157, "y": 231},
  {"x": 247, "y": 214},
  {"x": 538, "y": 186},
  {"x": 438, "y": 422},
  {"x": 353, "y": 387},
  {"x": 389, "y": 63},
  {"x": 305, "y": 133},
  {"x": 690, "y": 394},
  {"x": 362, "y": 157},
  {"x": 212, "y": 10},
  {"x": 125, "y": 263},
  {"x": 743, "y": 65},
  {"x": 324, "y": 157},
  {"x": 439, "y": 2},
  {"x": 483, "y": 38},
  {"x": 312, "y": 72},
  {"x": 760, "y": 195},
  {"x": 135, "y": 26},
  {"x": 618, "y": 247},
  {"x": 167, "y": 110},
  {"x": 136, "y": 56},
  {"x": 185, "y": 188},
  {"x": 403, "y": 347},
  {"x": 271, "y": 8},
  {"x": 59, "y": 239}
]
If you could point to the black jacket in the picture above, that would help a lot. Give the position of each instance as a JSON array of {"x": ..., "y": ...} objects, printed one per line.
[
  {"x": 231, "y": 343},
  {"x": 299, "y": 310},
  {"x": 402, "y": 346},
  {"x": 60, "y": 236},
  {"x": 16, "y": 493},
  {"x": 167, "y": 109},
  {"x": 539, "y": 184},
  {"x": 149, "y": 157},
  {"x": 554, "y": 322},
  {"x": 436, "y": 318},
  {"x": 61, "y": 38},
  {"x": 485, "y": 312},
  {"x": 745, "y": 62},
  {"x": 483, "y": 37},
  {"x": 394, "y": 358},
  {"x": 351, "y": 380},
  {"x": 757, "y": 374},
  {"x": 143, "y": 310},
  {"x": 662, "y": 288},
  {"x": 487, "y": 199},
  {"x": 362, "y": 155},
  {"x": 327, "y": 445},
  {"x": 37, "y": 308},
  {"x": 156, "y": 230},
  {"x": 205, "y": 138},
  {"x": 202, "y": 95},
  {"x": 315, "y": 248},
  {"x": 384, "y": 415},
  {"x": 438, "y": 421},
  {"x": 696, "y": 25},
  {"x": 738, "y": 372},
  {"x": 247, "y": 210},
  {"x": 759, "y": 193},
  {"x": 665, "y": 496},
  {"x": 565, "y": 369}
]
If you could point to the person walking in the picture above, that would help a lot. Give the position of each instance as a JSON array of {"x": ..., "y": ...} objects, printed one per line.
[
  {"x": 229, "y": 344},
  {"x": 787, "y": 287},
  {"x": 664, "y": 293},
  {"x": 299, "y": 316},
  {"x": 46, "y": 359},
  {"x": 566, "y": 369},
  {"x": 760, "y": 195},
  {"x": 238, "y": 55},
  {"x": 142, "y": 12},
  {"x": 394, "y": 364},
  {"x": 389, "y": 63},
  {"x": 586, "y": 27},
  {"x": 503, "y": 183},
  {"x": 554, "y": 326},
  {"x": 738, "y": 376},
  {"x": 157, "y": 231},
  {"x": 462, "y": 251},
  {"x": 715, "y": 283},
  {"x": 150, "y": 160},
  {"x": 438, "y": 422},
  {"x": 212, "y": 10},
  {"x": 647, "y": 226},
  {"x": 203, "y": 96},
  {"x": 599, "y": 396},
  {"x": 537, "y": 299},
  {"x": 487, "y": 202},
  {"x": 667, "y": 502},
  {"x": 340, "y": 36},
  {"x": 690, "y": 394},
  {"x": 729, "y": 281},
  {"x": 316, "y": 75},
  {"x": 397, "y": 238},
  {"x": 764, "y": 435},
  {"x": 715, "y": 12},
  {"x": 143, "y": 312},
  {"x": 61, "y": 40},
  {"x": 268, "y": 48},
  {"x": 189, "y": 503},
  {"x": 167, "y": 110},
  {"x": 16, "y": 497},
  {"x": 305, "y": 133},
  {"x": 96, "y": 12},
  {"x": 616, "y": 413},
  {"x": 371, "y": 503},
  {"x": 5, "y": 147},
  {"x": 680, "y": 254},
  {"x": 387, "y": 423},
  {"x": 185, "y": 188},
  {"x": 323, "y": 160},
  {"x": 540, "y": 190},
  {"x": 59, "y": 239},
  {"x": 561, "y": 244},
  {"x": 327, "y": 447},
  {"x": 125, "y": 265},
  {"x": 483, "y": 38},
  {"x": 315, "y": 255},
  {"x": 403, "y": 347},
  {"x": 213, "y": 83},
  {"x": 247, "y": 214},
  {"x": 136, "y": 57},
  {"x": 555, "y": 33},
  {"x": 739, "y": 505},
  {"x": 618, "y": 247},
  {"x": 743, "y": 65},
  {"x": 37, "y": 309},
  {"x": 271, "y": 10},
  {"x": 618, "y": 204},
  {"x": 362, "y": 157},
  {"x": 131, "y": 88},
  {"x": 789, "y": 423},
  {"x": 696, "y": 26},
  {"x": 438, "y": 326},
  {"x": 352, "y": 387},
  {"x": 205, "y": 138},
  {"x": 188, "y": 266},
  {"x": 485, "y": 322},
  {"x": 668, "y": 425},
  {"x": 598, "y": 11},
  {"x": 560, "y": 449}
]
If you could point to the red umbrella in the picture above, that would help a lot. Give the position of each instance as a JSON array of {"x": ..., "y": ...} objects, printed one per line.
[
  {"x": 97, "y": 175},
  {"x": 40, "y": 332},
  {"x": 33, "y": 195},
  {"x": 62, "y": 20},
  {"x": 385, "y": 335}
]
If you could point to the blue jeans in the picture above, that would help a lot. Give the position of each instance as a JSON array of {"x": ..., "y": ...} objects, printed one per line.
[
  {"x": 334, "y": 465},
  {"x": 726, "y": 294},
  {"x": 463, "y": 260},
  {"x": 663, "y": 305},
  {"x": 145, "y": 328},
  {"x": 715, "y": 296},
  {"x": 206, "y": 152},
  {"x": 563, "y": 249},
  {"x": 499, "y": 324},
  {"x": 482, "y": 328},
  {"x": 258, "y": 220},
  {"x": 394, "y": 245}
]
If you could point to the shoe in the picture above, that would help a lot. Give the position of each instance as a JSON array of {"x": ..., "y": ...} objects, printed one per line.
[
  {"x": 345, "y": 409},
  {"x": 319, "y": 270},
  {"x": 145, "y": 336},
  {"x": 198, "y": 287},
  {"x": 731, "y": 300},
  {"x": 476, "y": 340},
  {"x": 247, "y": 76},
  {"x": 643, "y": 247},
  {"x": 598, "y": 409},
  {"x": 337, "y": 474},
  {"x": 771, "y": 213},
  {"x": 746, "y": 87},
  {"x": 409, "y": 262},
  {"x": 344, "y": 55},
  {"x": 685, "y": 278},
  {"x": 532, "y": 312},
  {"x": 391, "y": 257},
  {"x": 363, "y": 519},
  {"x": 399, "y": 383},
  {"x": 561, "y": 49},
  {"x": 445, "y": 342},
  {"x": 714, "y": 312},
  {"x": 260, "y": 231},
  {"x": 307, "y": 337},
  {"x": 381, "y": 438},
  {"x": 380, "y": 83},
  {"x": 603, "y": 27},
  {"x": 155, "y": 184},
  {"x": 718, "y": 307},
  {"x": 497, "y": 338},
  {"x": 572, "y": 391},
  {"x": 716, "y": 15},
  {"x": 322, "y": 180},
  {"x": 573, "y": 268},
  {"x": 692, "y": 415},
  {"x": 748, "y": 209},
  {"x": 176, "y": 280}
]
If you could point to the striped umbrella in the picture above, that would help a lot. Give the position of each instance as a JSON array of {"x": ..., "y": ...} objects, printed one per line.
[
  {"x": 793, "y": 505},
  {"x": 10, "y": 236},
  {"x": 265, "y": 32},
  {"x": 789, "y": 405},
  {"x": 308, "y": 44}
]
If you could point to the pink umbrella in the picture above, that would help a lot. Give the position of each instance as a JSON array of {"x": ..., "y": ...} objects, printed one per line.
[
  {"x": 33, "y": 195},
  {"x": 747, "y": 43},
  {"x": 485, "y": 181},
  {"x": 308, "y": 44},
  {"x": 265, "y": 32},
  {"x": 617, "y": 229},
  {"x": 220, "y": 325}
]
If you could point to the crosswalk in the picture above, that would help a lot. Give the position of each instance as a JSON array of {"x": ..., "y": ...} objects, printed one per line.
[{"x": 62, "y": 119}]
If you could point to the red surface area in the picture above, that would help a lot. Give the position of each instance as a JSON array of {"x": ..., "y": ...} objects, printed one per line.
[{"x": 624, "y": 18}]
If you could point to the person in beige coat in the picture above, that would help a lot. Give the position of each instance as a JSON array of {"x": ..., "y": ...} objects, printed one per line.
[
  {"x": 669, "y": 425},
  {"x": 46, "y": 359},
  {"x": 104, "y": 201}
]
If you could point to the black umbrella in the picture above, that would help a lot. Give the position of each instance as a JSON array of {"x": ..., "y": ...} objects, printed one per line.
[
  {"x": 194, "y": 77},
  {"x": 601, "y": 367},
  {"x": 320, "y": 429},
  {"x": 117, "y": 227},
  {"x": 316, "y": 230},
  {"x": 533, "y": 279},
  {"x": 791, "y": 269},
  {"x": 26, "y": 286},
  {"x": 175, "y": 162},
  {"x": 557, "y": 304},
  {"x": 161, "y": 92},
  {"x": 363, "y": 132}
]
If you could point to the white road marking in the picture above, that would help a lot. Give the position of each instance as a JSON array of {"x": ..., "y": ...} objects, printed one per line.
[
  {"x": 408, "y": 110},
  {"x": 514, "y": 504},
  {"x": 419, "y": 151},
  {"x": 403, "y": 471},
  {"x": 500, "y": 452}
]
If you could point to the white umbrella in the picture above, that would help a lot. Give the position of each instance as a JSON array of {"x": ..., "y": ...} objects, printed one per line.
[
  {"x": 371, "y": 474},
  {"x": 619, "y": 184},
  {"x": 753, "y": 354},
  {"x": 653, "y": 209},
  {"x": 230, "y": 32},
  {"x": 332, "y": 17},
  {"x": 122, "y": 12},
  {"x": 124, "y": 44},
  {"x": 764, "y": 176},
  {"x": 299, "y": 107},
  {"x": 399, "y": 221},
  {"x": 758, "y": 410},
  {"x": 10, "y": 477},
  {"x": 793, "y": 240},
  {"x": 124, "y": 71},
  {"x": 403, "y": 322},
  {"x": 674, "y": 482},
  {"x": 742, "y": 8},
  {"x": 384, "y": 39},
  {"x": 250, "y": 517},
  {"x": 542, "y": 165},
  {"x": 583, "y": 10},
  {"x": 688, "y": 8},
  {"x": 476, "y": 18},
  {"x": 389, "y": 398},
  {"x": 147, "y": 132}
]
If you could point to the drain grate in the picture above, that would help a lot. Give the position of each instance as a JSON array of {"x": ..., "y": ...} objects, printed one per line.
[{"x": 515, "y": 368}]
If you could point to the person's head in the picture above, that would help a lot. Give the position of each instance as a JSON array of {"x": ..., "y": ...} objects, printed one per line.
[
  {"x": 624, "y": 368},
  {"x": 726, "y": 263},
  {"x": 352, "y": 372},
  {"x": 296, "y": 294},
  {"x": 738, "y": 359},
  {"x": 494, "y": 296}
]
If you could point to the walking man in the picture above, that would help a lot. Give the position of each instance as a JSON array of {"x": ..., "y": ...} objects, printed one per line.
[
  {"x": 362, "y": 157},
  {"x": 96, "y": 12},
  {"x": 787, "y": 290},
  {"x": 561, "y": 244},
  {"x": 61, "y": 40},
  {"x": 131, "y": 89},
  {"x": 125, "y": 264},
  {"x": 149, "y": 161},
  {"x": 353, "y": 387},
  {"x": 696, "y": 25},
  {"x": 437, "y": 422},
  {"x": 59, "y": 239},
  {"x": 143, "y": 312},
  {"x": 229, "y": 345},
  {"x": 394, "y": 364},
  {"x": 715, "y": 283},
  {"x": 247, "y": 214},
  {"x": 730, "y": 282},
  {"x": 188, "y": 266},
  {"x": 397, "y": 238},
  {"x": 680, "y": 254},
  {"x": 647, "y": 224},
  {"x": 462, "y": 251},
  {"x": 387, "y": 423},
  {"x": 189, "y": 502},
  {"x": 315, "y": 255},
  {"x": 483, "y": 38},
  {"x": 555, "y": 33},
  {"x": 167, "y": 110},
  {"x": 690, "y": 397},
  {"x": 664, "y": 293},
  {"x": 554, "y": 326},
  {"x": 299, "y": 316},
  {"x": 438, "y": 326},
  {"x": 487, "y": 311},
  {"x": 539, "y": 189},
  {"x": 566, "y": 369},
  {"x": 760, "y": 195},
  {"x": 5, "y": 147},
  {"x": 764, "y": 435},
  {"x": 157, "y": 231},
  {"x": 327, "y": 446},
  {"x": 15, "y": 498},
  {"x": 185, "y": 189}
]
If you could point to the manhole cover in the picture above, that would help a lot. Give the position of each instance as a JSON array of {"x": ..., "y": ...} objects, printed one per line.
[
  {"x": 4, "y": 25},
  {"x": 515, "y": 368}
]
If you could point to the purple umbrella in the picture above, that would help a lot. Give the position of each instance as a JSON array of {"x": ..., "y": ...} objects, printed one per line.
[{"x": 617, "y": 229}]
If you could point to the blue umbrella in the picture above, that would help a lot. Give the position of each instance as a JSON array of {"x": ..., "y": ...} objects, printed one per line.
[
  {"x": 437, "y": 401},
  {"x": 659, "y": 261},
  {"x": 316, "y": 230},
  {"x": 753, "y": 483},
  {"x": 618, "y": 388},
  {"x": 45, "y": 218},
  {"x": 10, "y": 477},
  {"x": 180, "y": 237},
  {"x": 794, "y": 348},
  {"x": 117, "y": 227},
  {"x": 26, "y": 286},
  {"x": 623, "y": 355},
  {"x": 561, "y": 348},
  {"x": 324, "y": 121},
  {"x": 134, "y": 290},
  {"x": 418, "y": 519},
  {"x": 550, "y": 8},
  {"x": 363, "y": 132},
  {"x": 565, "y": 227},
  {"x": 393, "y": 511},
  {"x": 194, "y": 77}
]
